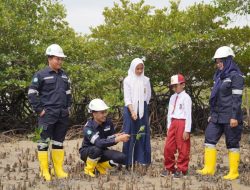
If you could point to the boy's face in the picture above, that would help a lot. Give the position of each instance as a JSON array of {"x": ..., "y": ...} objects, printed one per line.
[{"x": 177, "y": 88}]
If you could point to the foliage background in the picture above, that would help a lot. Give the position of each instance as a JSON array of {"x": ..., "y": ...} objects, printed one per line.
[{"x": 171, "y": 41}]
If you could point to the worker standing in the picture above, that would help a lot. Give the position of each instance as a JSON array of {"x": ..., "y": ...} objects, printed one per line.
[
  {"x": 50, "y": 96},
  {"x": 226, "y": 114}
]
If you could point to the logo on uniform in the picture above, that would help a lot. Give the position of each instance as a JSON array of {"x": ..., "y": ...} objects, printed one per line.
[
  {"x": 89, "y": 132},
  {"x": 35, "y": 79}
]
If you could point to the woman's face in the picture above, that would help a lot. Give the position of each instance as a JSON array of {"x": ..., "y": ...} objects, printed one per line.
[
  {"x": 219, "y": 64},
  {"x": 139, "y": 69}
]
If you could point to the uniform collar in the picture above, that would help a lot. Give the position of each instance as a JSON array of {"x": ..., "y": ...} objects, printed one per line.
[
  {"x": 51, "y": 70},
  {"x": 95, "y": 124},
  {"x": 182, "y": 92}
]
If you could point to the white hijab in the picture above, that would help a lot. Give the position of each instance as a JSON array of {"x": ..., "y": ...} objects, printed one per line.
[{"x": 137, "y": 86}]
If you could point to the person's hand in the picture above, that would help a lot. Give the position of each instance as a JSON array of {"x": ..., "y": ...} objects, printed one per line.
[
  {"x": 119, "y": 134},
  {"x": 185, "y": 135},
  {"x": 233, "y": 123},
  {"x": 122, "y": 138},
  {"x": 42, "y": 113},
  {"x": 134, "y": 116},
  {"x": 208, "y": 119}
]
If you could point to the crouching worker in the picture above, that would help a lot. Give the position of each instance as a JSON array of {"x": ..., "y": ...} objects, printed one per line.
[{"x": 99, "y": 134}]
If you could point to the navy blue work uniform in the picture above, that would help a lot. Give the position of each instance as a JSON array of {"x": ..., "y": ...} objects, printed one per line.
[
  {"x": 50, "y": 91},
  {"x": 227, "y": 106},
  {"x": 97, "y": 139}
]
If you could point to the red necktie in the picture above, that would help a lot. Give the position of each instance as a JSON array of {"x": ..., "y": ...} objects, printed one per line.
[{"x": 175, "y": 103}]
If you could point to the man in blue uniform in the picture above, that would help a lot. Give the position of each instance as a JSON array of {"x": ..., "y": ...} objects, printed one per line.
[
  {"x": 226, "y": 115},
  {"x": 50, "y": 97},
  {"x": 99, "y": 134}
]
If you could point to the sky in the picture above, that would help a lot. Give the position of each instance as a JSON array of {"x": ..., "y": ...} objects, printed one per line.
[{"x": 82, "y": 14}]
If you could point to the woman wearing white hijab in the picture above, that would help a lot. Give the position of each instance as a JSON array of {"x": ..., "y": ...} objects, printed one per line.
[{"x": 137, "y": 93}]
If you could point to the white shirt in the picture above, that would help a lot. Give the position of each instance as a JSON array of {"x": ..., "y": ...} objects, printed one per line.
[
  {"x": 182, "y": 110},
  {"x": 128, "y": 91}
]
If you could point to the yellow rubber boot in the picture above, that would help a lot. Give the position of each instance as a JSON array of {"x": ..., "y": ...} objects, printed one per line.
[
  {"x": 89, "y": 169},
  {"x": 234, "y": 160},
  {"x": 209, "y": 162},
  {"x": 44, "y": 165},
  {"x": 58, "y": 158},
  {"x": 103, "y": 167}
]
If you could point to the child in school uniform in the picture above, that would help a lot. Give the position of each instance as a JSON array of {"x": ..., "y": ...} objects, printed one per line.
[
  {"x": 137, "y": 94},
  {"x": 179, "y": 122}
]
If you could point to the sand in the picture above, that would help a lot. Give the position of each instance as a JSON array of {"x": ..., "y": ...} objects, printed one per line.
[{"x": 19, "y": 169}]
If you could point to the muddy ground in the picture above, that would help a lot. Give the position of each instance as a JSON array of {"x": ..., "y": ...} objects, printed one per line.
[{"x": 19, "y": 169}]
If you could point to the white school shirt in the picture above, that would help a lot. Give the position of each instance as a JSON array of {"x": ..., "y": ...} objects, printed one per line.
[
  {"x": 183, "y": 109},
  {"x": 128, "y": 91}
]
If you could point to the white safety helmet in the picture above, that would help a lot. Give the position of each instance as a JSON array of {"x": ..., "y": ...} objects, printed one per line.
[
  {"x": 55, "y": 50},
  {"x": 97, "y": 105},
  {"x": 223, "y": 52}
]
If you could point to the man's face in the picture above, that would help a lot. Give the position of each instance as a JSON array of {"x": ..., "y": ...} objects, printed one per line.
[
  {"x": 100, "y": 116},
  {"x": 55, "y": 63},
  {"x": 177, "y": 88},
  {"x": 219, "y": 64}
]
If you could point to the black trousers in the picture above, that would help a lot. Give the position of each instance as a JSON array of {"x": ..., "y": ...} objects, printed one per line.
[
  {"x": 95, "y": 152},
  {"x": 214, "y": 131},
  {"x": 53, "y": 127}
]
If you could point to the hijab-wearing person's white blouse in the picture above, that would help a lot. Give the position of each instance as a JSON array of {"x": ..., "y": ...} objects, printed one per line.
[{"x": 137, "y": 89}]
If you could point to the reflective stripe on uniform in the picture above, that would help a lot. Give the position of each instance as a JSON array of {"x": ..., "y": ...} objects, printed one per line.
[
  {"x": 46, "y": 78},
  {"x": 94, "y": 160},
  {"x": 94, "y": 137},
  {"x": 227, "y": 80},
  {"x": 64, "y": 76},
  {"x": 234, "y": 150},
  {"x": 113, "y": 163},
  {"x": 110, "y": 137},
  {"x": 32, "y": 91},
  {"x": 209, "y": 145},
  {"x": 68, "y": 92},
  {"x": 43, "y": 145},
  {"x": 236, "y": 91},
  {"x": 57, "y": 143}
]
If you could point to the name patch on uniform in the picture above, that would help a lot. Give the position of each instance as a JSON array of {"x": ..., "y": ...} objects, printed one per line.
[
  {"x": 107, "y": 128},
  {"x": 35, "y": 79},
  {"x": 180, "y": 106}
]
